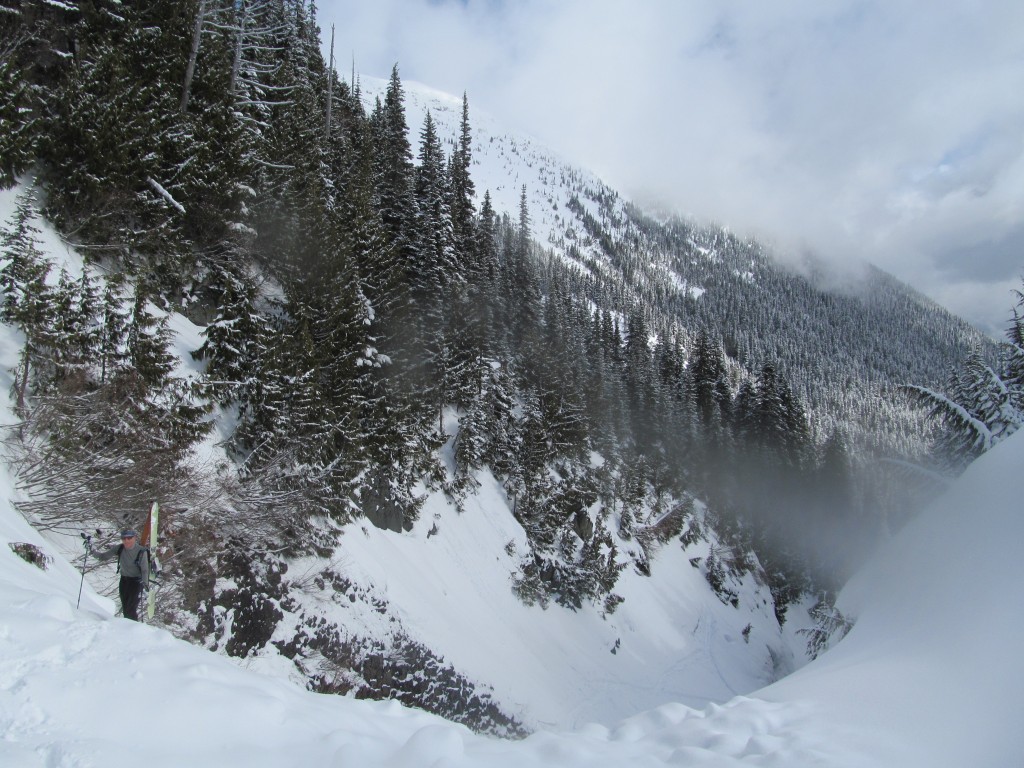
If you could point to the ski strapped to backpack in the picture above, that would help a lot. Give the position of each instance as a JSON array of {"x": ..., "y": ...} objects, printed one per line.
[{"x": 154, "y": 564}]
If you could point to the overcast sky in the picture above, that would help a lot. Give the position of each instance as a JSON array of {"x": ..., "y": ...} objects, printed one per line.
[{"x": 890, "y": 130}]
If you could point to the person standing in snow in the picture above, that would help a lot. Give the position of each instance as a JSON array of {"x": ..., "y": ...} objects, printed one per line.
[{"x": 133, "y": 565}]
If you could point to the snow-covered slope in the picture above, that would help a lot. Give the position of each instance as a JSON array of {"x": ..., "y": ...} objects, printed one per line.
[
  {"x": 931, "y": 676},
  {"x": 507, "y": 162},
  {"x": 933, "y": 665},
  {"x": 74, "y": 682},
  {"x": 449, "y": 583},
  {"x": 504, "y": 162}
]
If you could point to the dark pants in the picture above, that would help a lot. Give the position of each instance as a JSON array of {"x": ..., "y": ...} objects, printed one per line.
[{"x": 130, "y": 589}]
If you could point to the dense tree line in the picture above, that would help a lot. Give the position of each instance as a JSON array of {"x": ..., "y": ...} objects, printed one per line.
[{"x": 840, "y": 341}]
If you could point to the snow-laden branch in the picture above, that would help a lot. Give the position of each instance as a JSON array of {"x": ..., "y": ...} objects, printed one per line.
[
  {"x": 982, "y": 433},
  {"x": 61, "y": 6},
  {"x": 165, "y": 194}
]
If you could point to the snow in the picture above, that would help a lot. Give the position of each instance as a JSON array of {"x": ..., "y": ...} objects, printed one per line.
[
  {"x": 448, "y": 582},
  {"x": 505, "y": 161},
  {"x": 160, "y": 190},
  {"x": 931, "y": 675},
  {"x": 939, "y": 612}
]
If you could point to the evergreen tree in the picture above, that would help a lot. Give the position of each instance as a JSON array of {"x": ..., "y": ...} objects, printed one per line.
[
  {"x": 113, "y": 147},
  {"x": 27, "y": 300},
  {"x": 779, "y": 421},
  {"x": 637, "y": 351},
  {"x": 1013, "y": 356},
  {"x": 797, "y": 435},
  {"x": 524, "y": 233},
  {"x": 483, "y": 295},
  {"x": 233, "y": 338},
  {"x": 23, "y": 267},
  {"x": 114, "y": 321},
  {"x": 147, "y": 342},
  {"x": 979, "y": 411},
  {"x": 436, "y": 267},
  {"x": 88, "y": 329},
  {"x": 709, "y": 383},
  {"x": 522, "y": 289},
  {"x": 74, "y": 329},
  {"x": 486, "y": 245},
  {"x": 395, "y": 186},
  {"x": 297, "y": 206},
  {"x": 18, "y": 125},
  {"x": 744, "y": 412},
  {"x": 463, "y": 190}
]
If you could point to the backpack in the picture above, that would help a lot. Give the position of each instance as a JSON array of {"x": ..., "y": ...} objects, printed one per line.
[{"x": 142, "y": 550}]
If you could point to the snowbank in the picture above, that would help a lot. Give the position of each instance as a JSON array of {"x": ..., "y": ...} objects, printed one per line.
[{"x": 933, "y": 667}]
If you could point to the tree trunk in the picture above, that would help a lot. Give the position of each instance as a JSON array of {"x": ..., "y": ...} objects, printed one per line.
[
  {"x": 236, "y": 64},
  {"x": 190, "y": 70},
  {"x": 330, "y": 85}
]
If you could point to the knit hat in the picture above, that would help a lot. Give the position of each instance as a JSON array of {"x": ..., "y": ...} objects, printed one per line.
[{"x": 128, "y": 533}]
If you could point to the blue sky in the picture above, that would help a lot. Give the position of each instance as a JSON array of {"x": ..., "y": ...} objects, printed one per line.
[{"x": 888, "y": 130}]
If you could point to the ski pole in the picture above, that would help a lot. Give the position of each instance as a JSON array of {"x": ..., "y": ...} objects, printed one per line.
[{"x": 87, "y": 543}]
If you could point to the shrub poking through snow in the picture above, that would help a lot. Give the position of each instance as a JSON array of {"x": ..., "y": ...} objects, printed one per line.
[{"x": 30, "y": 553}]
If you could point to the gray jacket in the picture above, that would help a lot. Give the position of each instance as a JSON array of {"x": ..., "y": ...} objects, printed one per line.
[{"x": 133, "y": 563}]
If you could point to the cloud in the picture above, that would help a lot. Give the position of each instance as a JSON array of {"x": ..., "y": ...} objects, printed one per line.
[{"x": 874, "y": 129}]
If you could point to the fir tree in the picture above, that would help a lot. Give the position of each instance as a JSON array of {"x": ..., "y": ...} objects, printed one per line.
[
  {"x": 709, "y": 383},
  {"x": 115, "y": 155},
  {"x": 979, "y": 411},
  {"x": 233, "y": 338},
  {"x": 18, "y": 125},
  {"x": 395, "y": 179},
  {"x": 463, "y": 190},
  {"x": 147, "y": 342},
  {"x": 27, "y": 300},
  {"x": 114, "y": 321},
  {"x": 75, "y": 306},
  {"x": 486, "y": 245},
  {"x": 436, "y": 267}
]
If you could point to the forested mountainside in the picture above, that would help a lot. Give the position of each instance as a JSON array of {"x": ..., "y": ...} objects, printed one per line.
[
  {"x": 843, "y": 335},
  {"x": 846, "y": 339},
  {"x": 378, "y": 328}
]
